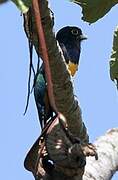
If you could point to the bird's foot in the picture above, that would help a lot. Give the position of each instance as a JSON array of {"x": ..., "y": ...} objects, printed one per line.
[{"x": 89, "y": 150}]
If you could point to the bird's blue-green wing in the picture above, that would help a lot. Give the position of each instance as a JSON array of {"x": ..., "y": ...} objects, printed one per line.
[{"x": 41, "y": 98}]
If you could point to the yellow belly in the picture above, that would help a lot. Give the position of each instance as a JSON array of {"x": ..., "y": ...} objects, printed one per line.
[{"x": 72, "y": 68}]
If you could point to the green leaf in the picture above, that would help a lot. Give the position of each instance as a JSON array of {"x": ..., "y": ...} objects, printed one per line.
[
  {"x": 114, "y": 58},
  {"x": 3, "y": 1},
  {"x": 23, "y": 5},
  {"x": 93, "y": 10}
]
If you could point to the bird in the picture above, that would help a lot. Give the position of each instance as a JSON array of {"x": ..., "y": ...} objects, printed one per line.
[
  {"x": 41, "y": 97},
  {"x": 69, "y": 39}
]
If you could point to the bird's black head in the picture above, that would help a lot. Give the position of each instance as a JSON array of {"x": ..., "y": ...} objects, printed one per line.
[
  {"x": 69, "y": 39},
  {"x": 69, "y": 33}
]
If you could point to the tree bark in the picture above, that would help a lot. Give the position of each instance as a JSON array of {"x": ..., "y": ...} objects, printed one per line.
[
  {"x": 62, "y": 85},
  {"x": 107, "y": 164}
]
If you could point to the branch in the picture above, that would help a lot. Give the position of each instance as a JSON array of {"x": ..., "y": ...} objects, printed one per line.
[
  {"x": 107, "y": 164},
  {"x": 63, "y": 94},
  {"x": 62, "y": 85}
]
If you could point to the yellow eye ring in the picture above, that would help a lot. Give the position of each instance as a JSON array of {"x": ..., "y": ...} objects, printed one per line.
[{"x": 74, "y": 32}]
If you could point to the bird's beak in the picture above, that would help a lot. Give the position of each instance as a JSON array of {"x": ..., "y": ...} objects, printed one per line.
[
  {"x": 72, "y": 68},
  {"x": 83, "y": 37}
]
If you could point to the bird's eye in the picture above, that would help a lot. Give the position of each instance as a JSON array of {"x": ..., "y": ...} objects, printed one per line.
[{"x": 74, "y": 31}]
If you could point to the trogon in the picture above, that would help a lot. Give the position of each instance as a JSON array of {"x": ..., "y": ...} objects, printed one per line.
[{"x": 69, "y": 39}]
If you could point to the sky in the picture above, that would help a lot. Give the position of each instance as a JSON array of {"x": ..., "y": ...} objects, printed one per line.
[{"x": 96, "y": 93}]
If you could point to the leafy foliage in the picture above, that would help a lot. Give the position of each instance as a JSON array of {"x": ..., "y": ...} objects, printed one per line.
[
  {"x": 94, "y": 9},
  {"x": 23, "y": 5},
  {"x": 3, "y": 1},
  {"x": 114, "y": 58}
]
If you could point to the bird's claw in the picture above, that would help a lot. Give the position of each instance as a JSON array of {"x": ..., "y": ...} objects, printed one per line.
[{"x": 89, "y": 150}]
